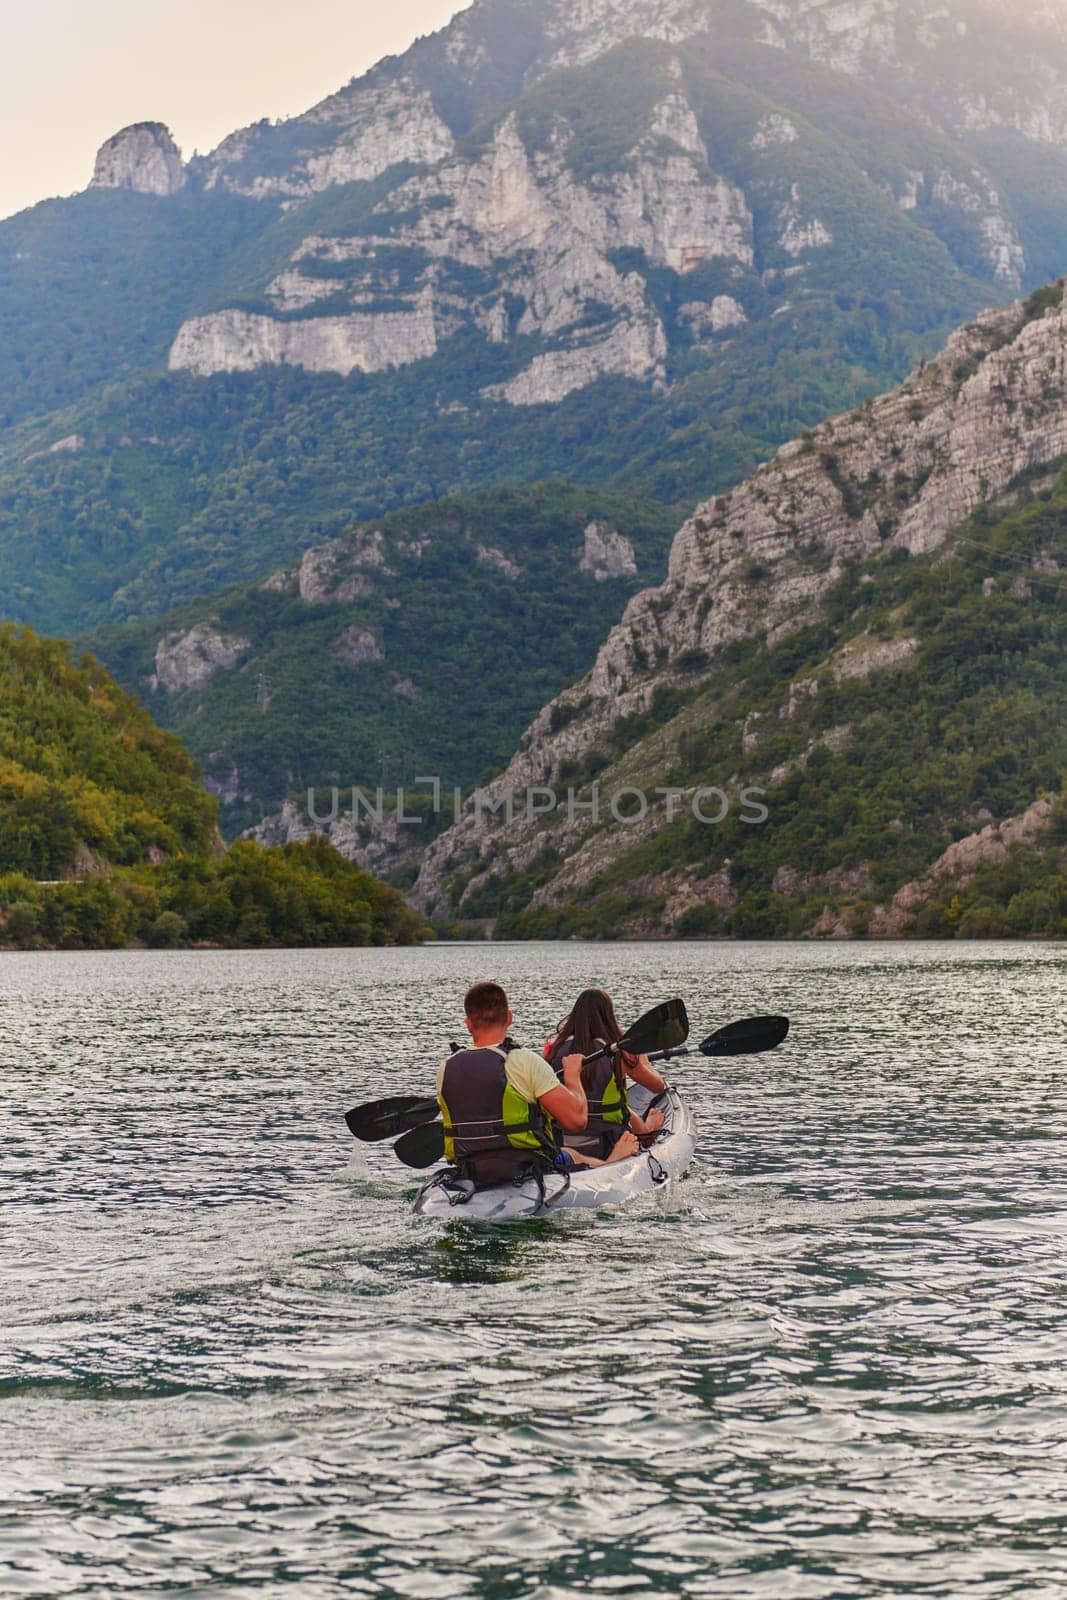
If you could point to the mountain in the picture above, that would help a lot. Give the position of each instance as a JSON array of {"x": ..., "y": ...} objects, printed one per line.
[
  {"x": 420, "y": 643},
  {"x": 108, "y": 837},
  {"x": 636, "y": 243},
  {"x": 864, "y": 648}
]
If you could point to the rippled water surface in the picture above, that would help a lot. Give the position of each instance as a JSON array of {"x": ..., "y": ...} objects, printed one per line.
[{"x": 831, "y": 1363}]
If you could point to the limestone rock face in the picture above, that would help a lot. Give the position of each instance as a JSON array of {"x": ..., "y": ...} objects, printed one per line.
[
  {"x": 143, "y": 157},
  {"x": 607, "y": 554},
  {"x": 990, "y": 846},
  {"x": 494, "y": 214},
  {"x": 865, "y": 656},
  {"x": 185, "y": 660},
  {"x": 522, "y": 220},
  {"x": 375, "y": 846},
  {"x": 239, "y": 341},
  {"x": 365, "y": 134},
  {"x": 335, "y": 574},
  {"x": 496, "y": 559},
  {"x": 500, "y": 219},
  {"x": 707, "y": 317}
]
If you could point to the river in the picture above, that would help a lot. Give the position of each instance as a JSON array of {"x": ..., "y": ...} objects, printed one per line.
[{"x": 831, "y": 1363}]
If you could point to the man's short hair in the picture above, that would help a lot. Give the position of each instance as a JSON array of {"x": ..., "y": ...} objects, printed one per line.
[{"x": 486, "y": 1004}]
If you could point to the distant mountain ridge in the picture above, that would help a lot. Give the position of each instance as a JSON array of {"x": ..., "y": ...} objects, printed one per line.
[
  {"x": 968, "y": 67},
  {"x": 637, "y": 244},
  {"x": 588, "y": 163}
]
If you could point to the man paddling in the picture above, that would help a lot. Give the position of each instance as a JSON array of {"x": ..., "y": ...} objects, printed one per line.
[{"x": 500, "y": 1105}]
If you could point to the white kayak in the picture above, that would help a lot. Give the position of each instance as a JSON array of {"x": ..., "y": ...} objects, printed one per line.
[{"x": 453, "y": 1199}]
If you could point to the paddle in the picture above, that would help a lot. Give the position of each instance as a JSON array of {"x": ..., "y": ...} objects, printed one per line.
[
  {"x": 423, "y": 1146},
  {"x": 384, "y": 1119},
  {"x": 751, "y": 1037},
  {"x": 665, "y": 1027}
]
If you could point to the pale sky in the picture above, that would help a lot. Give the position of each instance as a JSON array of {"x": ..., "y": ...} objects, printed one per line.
[{"x": 75, "y": 71}]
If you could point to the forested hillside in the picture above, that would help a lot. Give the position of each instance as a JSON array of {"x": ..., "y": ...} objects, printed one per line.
[
  {"x": 84, "y": 773},
  {"x": 890, "y": 742},
  {"x": 420, "y": 643},
  {"x": 94, "y": 795}
]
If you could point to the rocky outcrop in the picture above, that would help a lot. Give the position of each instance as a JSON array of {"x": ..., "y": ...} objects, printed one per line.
[
  {"x": 606, "y": 553},
  {"x": 801, "y": 230},
  {"x": 498, "y": 561},
  {"x": 865, "y": 655},
  {"x": 335, "y": 574},
  {"x": 714, "y": 316},
  {"x": 385, "y": 846},
  {"x": 989, "y": 847},
  {"x": 356, "y": 647},
  {"x": 67, "y": 446},
  {"x": 142, "y": 157},
  {"x": 630, "y": 350},
  {"x": 238, "y": 341},
  {"x": 975, "y": 196},
  {"x": 388, "y": 125},
  {"x": 186, "y": 660}
]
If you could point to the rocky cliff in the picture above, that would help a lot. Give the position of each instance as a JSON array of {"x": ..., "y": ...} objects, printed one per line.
[
  {"x": 142, "y": 157},
  {"x": 545, "y": 246},
  {"x": 793, "y": 583},
  {"x": 520, "y": 224}
]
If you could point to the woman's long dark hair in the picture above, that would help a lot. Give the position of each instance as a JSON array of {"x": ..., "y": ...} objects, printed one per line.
[{"x": 591, "y": 1022}]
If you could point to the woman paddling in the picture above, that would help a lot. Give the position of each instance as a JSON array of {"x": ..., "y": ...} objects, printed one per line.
[{"x": 591, "y": 1025}]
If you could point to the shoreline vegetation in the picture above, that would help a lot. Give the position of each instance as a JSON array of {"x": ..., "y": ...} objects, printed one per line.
[{"x": 289, "y": 896}]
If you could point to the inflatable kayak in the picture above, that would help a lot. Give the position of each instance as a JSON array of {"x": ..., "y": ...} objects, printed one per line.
[{"x": 451, "y": 1198}]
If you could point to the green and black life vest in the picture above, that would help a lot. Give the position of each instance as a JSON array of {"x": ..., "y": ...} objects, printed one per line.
[
  {"x": 491, "y": 1131},
  {"x": 609, "y": 1111}
]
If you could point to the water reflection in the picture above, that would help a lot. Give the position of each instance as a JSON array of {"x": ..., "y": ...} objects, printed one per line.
[{"x": 469, "y": 1255}]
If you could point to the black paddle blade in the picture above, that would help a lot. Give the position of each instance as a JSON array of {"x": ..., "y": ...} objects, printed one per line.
[
  {"x": 384, "y": 1119},
  {"x": 748, "y": 1038},
  {"x": 422, "y": 1147},
  {"x": 665, "y": 1027}
]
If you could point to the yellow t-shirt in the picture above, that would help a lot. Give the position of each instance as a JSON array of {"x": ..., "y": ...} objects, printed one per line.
[{"x": 528, "y": 1073}]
